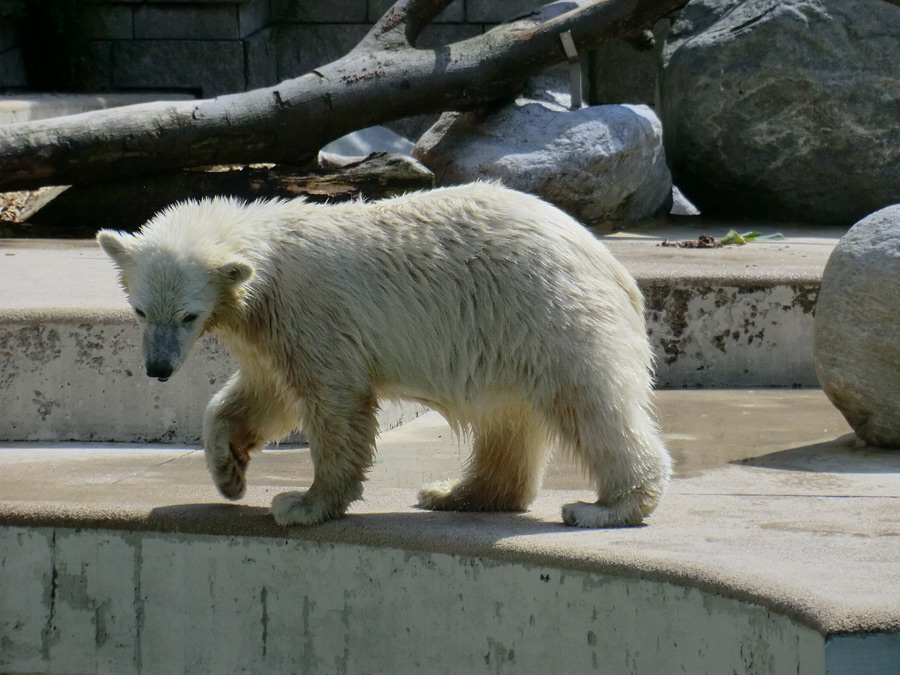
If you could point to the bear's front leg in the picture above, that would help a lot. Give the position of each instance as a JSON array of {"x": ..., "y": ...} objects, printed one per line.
[
  {"x": 341, "y": 429},
  {"x": 227, "y": 444},
  {"x": 239, "y": 420}
]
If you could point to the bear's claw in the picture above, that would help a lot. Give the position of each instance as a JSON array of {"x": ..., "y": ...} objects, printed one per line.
[{"x": 230, "y": 478}]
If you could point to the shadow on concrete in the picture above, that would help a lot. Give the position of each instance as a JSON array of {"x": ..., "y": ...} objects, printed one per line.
[
  {"x": 402, "y": 527},
  {"x": 211, "y": 518},
  {"x": 838, "y": 456}
]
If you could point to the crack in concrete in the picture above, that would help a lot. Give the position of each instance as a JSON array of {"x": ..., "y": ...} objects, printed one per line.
[{"x": 155, "y": 466}]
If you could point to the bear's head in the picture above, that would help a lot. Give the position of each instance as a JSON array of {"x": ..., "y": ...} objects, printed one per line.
[{"x": 176, "y": 293}]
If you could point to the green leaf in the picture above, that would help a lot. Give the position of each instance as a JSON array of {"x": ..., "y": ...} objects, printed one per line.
[
  {"x": 733, "y": 238},
  {"x": 770, "y": 237}
]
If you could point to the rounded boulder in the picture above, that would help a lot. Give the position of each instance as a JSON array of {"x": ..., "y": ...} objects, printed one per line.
[
  {"x": 603, "y": 165},
  {"x": 784, "y": 110},
  {"x": 857, "y": 328}
]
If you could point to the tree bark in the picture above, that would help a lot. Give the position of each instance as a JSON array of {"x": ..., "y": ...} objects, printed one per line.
[
  {"x": 128, "y": 204},
  {"x": 382, "y": 79}
]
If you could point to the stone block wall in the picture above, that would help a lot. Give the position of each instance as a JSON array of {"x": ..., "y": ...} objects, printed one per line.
[
  {"x": 213, "y": 47},
  {"x": 12, "y": 65}
]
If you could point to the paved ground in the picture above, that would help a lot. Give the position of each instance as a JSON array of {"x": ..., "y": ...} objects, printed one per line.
[{"x": 772, "y": 502}]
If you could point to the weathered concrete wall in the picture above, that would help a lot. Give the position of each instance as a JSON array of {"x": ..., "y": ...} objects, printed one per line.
[
  {"x": 718, "y": 335},
  {"x": 207, "y": 47},
  {"x": 82, "y": 378},
  {"x": 12, "y": 65},
  {"x": 71, "y": 366},
  {"x": 104, "y": 601}
]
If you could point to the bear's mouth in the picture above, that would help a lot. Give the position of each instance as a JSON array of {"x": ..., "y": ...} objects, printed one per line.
[{"x": 162, "y": 379}]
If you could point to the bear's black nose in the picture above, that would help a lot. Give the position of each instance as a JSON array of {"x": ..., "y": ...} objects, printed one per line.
[{"x": 160, "y": 371}]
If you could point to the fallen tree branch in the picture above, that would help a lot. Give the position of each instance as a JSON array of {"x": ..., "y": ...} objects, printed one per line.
[
  {"x": 128, "y": 204},
  {"x": 385, "y": 77}
]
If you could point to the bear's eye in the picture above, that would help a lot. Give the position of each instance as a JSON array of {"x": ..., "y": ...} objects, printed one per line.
[
  {"x": 140, "y": 313},
  {"x": 189, "y": 318}
]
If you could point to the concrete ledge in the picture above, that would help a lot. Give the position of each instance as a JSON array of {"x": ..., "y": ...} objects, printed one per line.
[
  {"x": 739, "y": 316},
  {"x": 776, "y": 550},
  {"x": 70, "y": 364},
  {"x": 257, "y": 605}
]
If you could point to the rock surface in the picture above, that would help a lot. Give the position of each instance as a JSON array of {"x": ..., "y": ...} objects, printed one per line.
[
  {"x": 604, "y": 165},
  {"x": 364, "y": 142},
  {"x": 785, "y": 110},
  {"x": 857, "y": 328}
]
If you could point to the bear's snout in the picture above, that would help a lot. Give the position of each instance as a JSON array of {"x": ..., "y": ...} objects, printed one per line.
[{"x": 162, "y": 351}]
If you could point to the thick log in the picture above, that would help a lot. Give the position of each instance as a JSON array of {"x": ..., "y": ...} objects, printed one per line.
[
  {"x": 382, "y": 79},
  {"x": 128, "y": 204}
]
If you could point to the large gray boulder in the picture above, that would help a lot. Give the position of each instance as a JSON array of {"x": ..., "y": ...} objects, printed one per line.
[
  {"x": 857, "y": 328},
  {"x": 786, "y": 109},
  {"x": 604, "y": 165}
]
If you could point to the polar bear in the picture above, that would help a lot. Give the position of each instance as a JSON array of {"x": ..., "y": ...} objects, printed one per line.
[{"x": 488, "y": 305}]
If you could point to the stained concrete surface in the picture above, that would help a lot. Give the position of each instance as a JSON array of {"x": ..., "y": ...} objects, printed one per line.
[
  {"x": 772, "y": 501},
  {"x": 797, "y": 259}
]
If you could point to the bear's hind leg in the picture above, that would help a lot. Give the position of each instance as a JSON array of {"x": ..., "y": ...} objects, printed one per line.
[
  {"x": 342, "y": 445},
  {"x": 504, "y": 472},
  {"x": 627, "y": 461}
]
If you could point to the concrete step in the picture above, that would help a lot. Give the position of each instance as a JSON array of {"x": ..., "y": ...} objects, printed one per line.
[
  {"x": 70, "y": 364},
  {"x": 776, "y": 550},
  {"x": 738, "y": 316}
]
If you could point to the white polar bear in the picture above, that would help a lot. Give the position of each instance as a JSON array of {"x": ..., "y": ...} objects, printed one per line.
[{"x": 488, "y": 305}]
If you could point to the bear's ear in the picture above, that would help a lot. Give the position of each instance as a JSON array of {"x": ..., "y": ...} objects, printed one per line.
[
  {"x": 113, "y": 243},
  {"x": 235, "y": 272}
]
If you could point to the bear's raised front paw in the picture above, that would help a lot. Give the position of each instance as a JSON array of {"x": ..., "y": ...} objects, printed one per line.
[
  {"x": 623, "y": 513},
  {"x": 299, "y": 508},
  {"x": 230, "y": 476}
]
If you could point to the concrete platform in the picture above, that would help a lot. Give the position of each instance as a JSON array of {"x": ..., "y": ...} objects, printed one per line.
[
  {"x": 776, "y": 550},
  {"x": 70, "y": 365},
  {"x": 738, "y": 316}
]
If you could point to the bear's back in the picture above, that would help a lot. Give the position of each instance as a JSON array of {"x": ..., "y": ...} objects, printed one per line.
[{"x": 429, "y": 287}]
